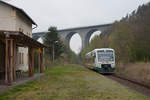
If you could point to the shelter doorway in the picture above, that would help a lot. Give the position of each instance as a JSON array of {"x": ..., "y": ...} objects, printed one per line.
[{"x": 2, "y": 60}]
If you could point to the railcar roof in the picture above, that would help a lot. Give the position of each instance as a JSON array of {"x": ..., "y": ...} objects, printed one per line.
[{"x": 103, "y": 49}]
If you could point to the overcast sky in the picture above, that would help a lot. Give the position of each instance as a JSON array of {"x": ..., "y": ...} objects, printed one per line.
[{"x": 74, "y": 13}]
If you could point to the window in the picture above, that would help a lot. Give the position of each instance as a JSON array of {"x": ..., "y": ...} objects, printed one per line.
[
  {"x": 105, "y": 56},
  {"x": 28, "y": 58},
  {"x": 110, "y": 51},
  {"x": 21, "y": 58}
]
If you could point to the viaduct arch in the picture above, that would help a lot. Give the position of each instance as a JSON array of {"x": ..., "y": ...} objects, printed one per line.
[{"x": 84, "y": 32}]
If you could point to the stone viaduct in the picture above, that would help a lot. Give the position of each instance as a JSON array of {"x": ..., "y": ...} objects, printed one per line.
[{"x": 84, "y": 32}]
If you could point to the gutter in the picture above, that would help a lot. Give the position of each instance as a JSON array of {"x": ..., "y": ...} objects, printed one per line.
[{"x": 35, "y": 26}]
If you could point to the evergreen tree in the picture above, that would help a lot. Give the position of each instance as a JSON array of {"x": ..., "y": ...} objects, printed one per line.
[{"x": 54, "y": 46}]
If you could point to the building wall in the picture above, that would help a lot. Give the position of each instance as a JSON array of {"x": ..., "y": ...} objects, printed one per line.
[
  {"x": 24, "y": 25},
  {"x": 7, "y": 17},
  {"x": 13, "y": 20}
]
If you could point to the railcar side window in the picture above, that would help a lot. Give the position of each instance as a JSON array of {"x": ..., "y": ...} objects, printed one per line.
[
  {"x": 109, "y": 51},
  {"x": 101, "y": 51}
]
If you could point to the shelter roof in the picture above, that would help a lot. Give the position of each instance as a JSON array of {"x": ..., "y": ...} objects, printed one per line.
[{"x": 21, "y": 39}]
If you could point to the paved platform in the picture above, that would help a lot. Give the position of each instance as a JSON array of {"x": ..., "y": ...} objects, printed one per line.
[{"x": 22, "y": 80}]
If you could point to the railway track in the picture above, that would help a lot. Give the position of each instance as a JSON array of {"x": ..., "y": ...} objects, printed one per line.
[
  {"x": 140, "y": 87},
  {"x": 133, "y": 81}
]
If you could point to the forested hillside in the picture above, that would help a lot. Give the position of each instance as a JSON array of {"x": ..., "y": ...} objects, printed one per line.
[{"x": 130, "y": 37}]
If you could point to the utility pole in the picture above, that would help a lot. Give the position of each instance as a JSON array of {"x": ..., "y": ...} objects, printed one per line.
[{"x": 54, "y": 50}]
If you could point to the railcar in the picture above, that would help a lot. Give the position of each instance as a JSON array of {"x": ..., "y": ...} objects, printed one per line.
[{"x": 101, "y": 60}]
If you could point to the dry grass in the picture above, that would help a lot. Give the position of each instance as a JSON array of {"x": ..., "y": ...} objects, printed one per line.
[{"x": 139, "y": 71}]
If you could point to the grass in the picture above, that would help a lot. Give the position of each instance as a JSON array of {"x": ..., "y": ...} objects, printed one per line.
[{"x": 71, "y": 82}]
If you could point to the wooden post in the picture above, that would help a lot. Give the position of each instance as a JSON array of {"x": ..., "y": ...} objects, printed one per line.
[
  {"x": 31, "y": 61},
  {"x": 6, "y": 62},
  {"x": 8, "y": 71},
  {"x": 41, "y": 61},
  {"x": 9, "y": 59},
  {"x": 14, "y": 68}
]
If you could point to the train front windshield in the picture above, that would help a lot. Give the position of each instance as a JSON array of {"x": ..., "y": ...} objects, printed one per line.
[{"x": 107, "y": 55}]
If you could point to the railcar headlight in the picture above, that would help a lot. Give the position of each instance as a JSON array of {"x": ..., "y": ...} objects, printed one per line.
[
  {"x": 99, "y": 64},
  {"x": 113, "y": 65}
]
